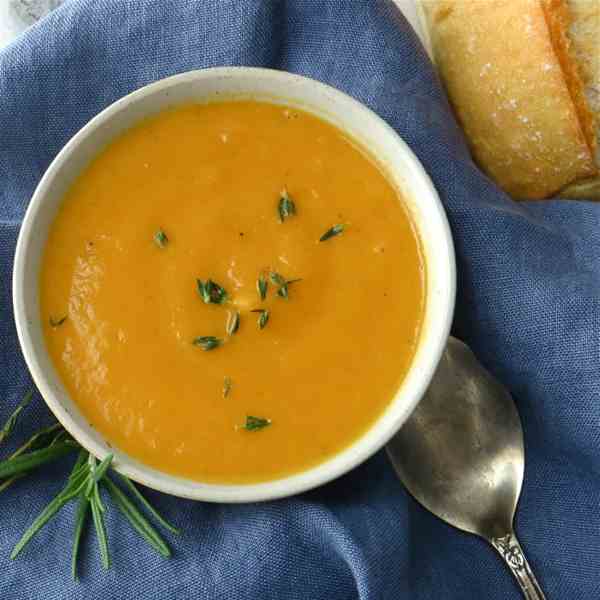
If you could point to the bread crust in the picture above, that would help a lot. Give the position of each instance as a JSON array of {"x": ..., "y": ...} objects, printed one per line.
[
  {"x": 516, "y": 90},
  {"x": 584, "y": 33}
]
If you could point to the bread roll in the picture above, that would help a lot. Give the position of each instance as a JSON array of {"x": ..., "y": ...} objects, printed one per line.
[
  {"x": 515, "y": 86},
  {"x": 585, "y": 35}
]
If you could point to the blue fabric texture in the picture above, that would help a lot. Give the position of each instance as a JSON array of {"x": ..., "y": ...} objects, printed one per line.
[{"x": 528, "y": 304}]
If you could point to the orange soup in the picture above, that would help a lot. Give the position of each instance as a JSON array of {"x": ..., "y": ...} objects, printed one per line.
[{"x": 232, "y": 292}]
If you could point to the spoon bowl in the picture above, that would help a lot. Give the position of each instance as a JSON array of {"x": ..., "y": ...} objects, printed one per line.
[{"x": 461, "y": 455}]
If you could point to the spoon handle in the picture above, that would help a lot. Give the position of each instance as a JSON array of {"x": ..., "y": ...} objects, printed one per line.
[{"x": 510, "y": 550}]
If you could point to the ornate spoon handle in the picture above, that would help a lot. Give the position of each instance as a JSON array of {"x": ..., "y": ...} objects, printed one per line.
[{"x": 510, "y": 550}]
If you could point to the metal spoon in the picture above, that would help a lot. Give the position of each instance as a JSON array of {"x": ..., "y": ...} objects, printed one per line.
[{"x": 461, "y": 456}]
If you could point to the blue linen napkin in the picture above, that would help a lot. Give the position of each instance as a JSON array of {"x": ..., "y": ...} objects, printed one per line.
[{"x": 528, "y": 304}]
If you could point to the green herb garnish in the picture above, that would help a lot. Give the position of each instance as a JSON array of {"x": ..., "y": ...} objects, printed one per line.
[
  {"x": 261, "y": 287},
  {"x": 286, "y": 207},
  {"x": 82, "y": 484},
  {"x": 227, "y": 385},
  {"x": 136, "y": 518},
  {"x": 151, "y": 510},
  {"x": 161, "y": 239},
  {"x": 233, "y": 323},
  {"x": 256, "y": 423},
  {"x": 12, "y": 419},
  {"x": 283, "y": 283},
  {"x": 333, "y": 231},
  {"x": 57, "y": 322},
  {"x": 92, "y": 494},
  {"x": 31, "y": 460},
  {"x": 83, "y": 507},
  {"x": 276, "y": 278},
  {"x": 211, "y": 292},
  {"x": 263, "y": 317},
  {"x": 207, "y": 342}
]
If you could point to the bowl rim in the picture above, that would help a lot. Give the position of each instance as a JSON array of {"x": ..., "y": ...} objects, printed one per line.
[{"x": 338, "y": 464}]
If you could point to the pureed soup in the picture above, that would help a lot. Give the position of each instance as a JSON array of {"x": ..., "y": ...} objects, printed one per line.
[{"x": 232, "y": 292}]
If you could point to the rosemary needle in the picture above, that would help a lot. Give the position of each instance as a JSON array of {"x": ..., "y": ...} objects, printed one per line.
[
  {"x": 8, "y": 482},
  {"x": 12, "y": 419},
  {"x": 72, "y": 488},
  {"x": 31, "y": 460},
  {"x": 37, "y": 440},
  {"x": 82, "y": 511},
  {"x": 137, "y": 520},
  {"x": 134, "y": 490},
  {"x": 102, "y": 468},
  {"x": 98, "y": 519}
]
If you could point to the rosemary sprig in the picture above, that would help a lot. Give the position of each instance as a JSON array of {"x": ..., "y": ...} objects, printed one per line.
[
  {"x": 57, "y": 322},
  {"x": 332, "y": 232},
  {"x": 207, "y": 342},
  {"x": 233, "y": 323},
  {"x": 82, "y": 484},
  {"x": 263, "y": 317},
  {"x": 161, "y": 239},
  {"x": 227, "y": 385},
  {"x": 262, "y": 285},
  {"x": 256, "y": 423},
  {"x": 211, "y": 292},
  {"x": 286, "y": 207},
  {"x": 13, "y": 418}
]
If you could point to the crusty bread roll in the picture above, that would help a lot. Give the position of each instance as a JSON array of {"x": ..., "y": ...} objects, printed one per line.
[
  {"x": 585, "y": 36},
  {"x": 514, "y": 82}
]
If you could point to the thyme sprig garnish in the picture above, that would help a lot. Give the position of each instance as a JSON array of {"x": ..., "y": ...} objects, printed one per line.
[
  {"x": 276, "y": 278},
  {"x": 256, "y": 423},
  {"x": 83, "y": 484},
  {"x": 211, "y": 292},
  {"x": 332, "y": 232},
  {"x": 227, "y": 385},
  {"x": 161, "y": 239},
  {"x": 207, "y": 342},
  {"x": 286, "y": 207},
  {"x": 262, "y": 285},
  {"x": 263, "y": 317},
  {"x": 282, "y": 283},
  {"x": 57, "y": 322},
  {"x": 233, "y": 323}
]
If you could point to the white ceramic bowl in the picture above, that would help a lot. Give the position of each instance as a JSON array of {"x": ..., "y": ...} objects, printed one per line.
[{"x": 330, "y": 104}]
